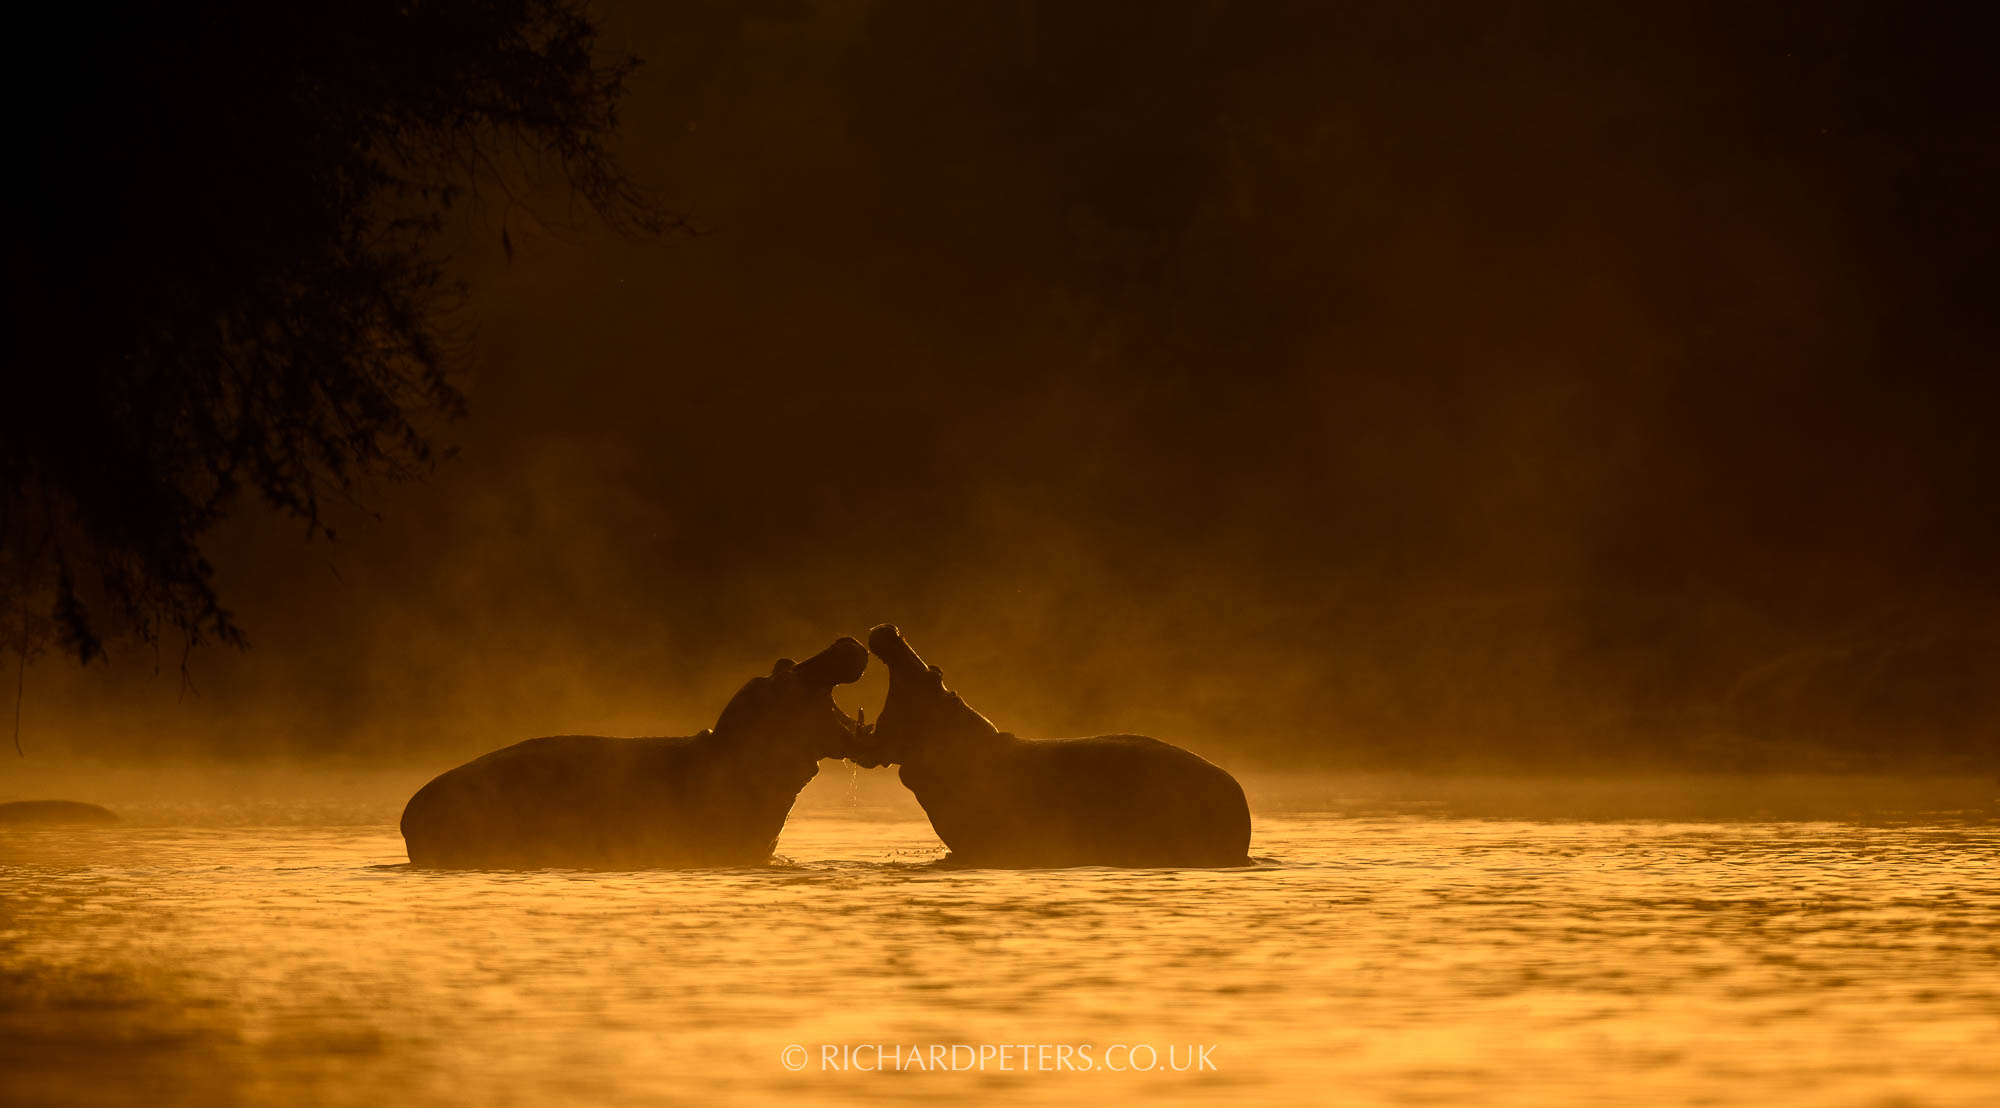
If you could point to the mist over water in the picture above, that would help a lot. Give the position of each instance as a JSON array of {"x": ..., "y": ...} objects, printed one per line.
[{"x": 1492, "y": 388}]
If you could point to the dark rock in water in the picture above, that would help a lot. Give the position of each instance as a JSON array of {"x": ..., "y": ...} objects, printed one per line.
[{"x": 22, "y": 812}]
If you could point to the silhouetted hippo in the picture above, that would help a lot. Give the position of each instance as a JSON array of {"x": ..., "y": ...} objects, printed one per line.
[
  {"x": 999, "y": 800},
  {"x": 48, "y": 812},
  {"x": 716, "y": 799}
]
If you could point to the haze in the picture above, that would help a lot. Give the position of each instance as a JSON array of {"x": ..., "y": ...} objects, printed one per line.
[{"x": 1350, "y": 388}]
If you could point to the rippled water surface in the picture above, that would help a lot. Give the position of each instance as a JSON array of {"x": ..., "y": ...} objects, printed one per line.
[{"x": 1369, "y": 960}]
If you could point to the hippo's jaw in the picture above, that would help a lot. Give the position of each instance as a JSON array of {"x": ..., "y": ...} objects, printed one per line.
[
  {"x": 791, "y": 715},
  {"x": 836, "y": 739},
  {"x": 921, "y": 719}
]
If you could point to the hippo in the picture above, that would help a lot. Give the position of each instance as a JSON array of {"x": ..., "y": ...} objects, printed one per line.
[
  {"x": 998, "y": 800},
  {"x": 587, "y": 802}
]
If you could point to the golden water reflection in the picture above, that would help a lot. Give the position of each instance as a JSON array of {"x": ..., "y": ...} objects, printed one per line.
[{"x": 1370, "y": 960}]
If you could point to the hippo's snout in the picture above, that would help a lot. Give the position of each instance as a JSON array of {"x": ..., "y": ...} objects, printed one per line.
[
  {"x": 887, "y": 644},
  {"x": 839, "y": 664}
]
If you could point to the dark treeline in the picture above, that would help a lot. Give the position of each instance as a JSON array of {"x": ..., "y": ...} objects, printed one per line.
[{"x": 225, "y": 284}]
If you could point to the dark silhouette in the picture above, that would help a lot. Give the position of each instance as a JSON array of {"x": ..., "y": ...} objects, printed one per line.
[
  {"x": 231, "y": 281},
  {"x": 1000, "y": 800},
  {"x": 54, "y": 812},
  {"x": 716, "y": 799}
]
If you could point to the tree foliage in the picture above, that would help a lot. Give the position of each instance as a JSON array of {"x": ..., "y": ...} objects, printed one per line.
[{"x": 226, "y": 283}]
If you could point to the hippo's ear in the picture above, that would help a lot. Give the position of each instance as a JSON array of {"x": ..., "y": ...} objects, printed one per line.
[
  {"x": 937, "y": 675},
  {"x": 783, "y": 665}
]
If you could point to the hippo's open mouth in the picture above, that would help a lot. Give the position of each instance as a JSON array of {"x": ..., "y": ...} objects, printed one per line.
[
  {"x": 863, "y": 748},
  {"x": 839, "y": 664}
]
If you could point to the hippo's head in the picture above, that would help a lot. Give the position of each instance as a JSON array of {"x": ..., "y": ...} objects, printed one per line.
[
  {"x": 921, "y": 718},
  {"x": 792, "y": 711}
]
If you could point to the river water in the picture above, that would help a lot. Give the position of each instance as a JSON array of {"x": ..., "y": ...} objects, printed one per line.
[{"x": 192, "y": 957}]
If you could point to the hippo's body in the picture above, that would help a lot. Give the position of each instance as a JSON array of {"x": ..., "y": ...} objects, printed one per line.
[
  {"x": 715, "y": 799},
  {"x": 1112, "y": 800},
  {"x": 592, "y": 802},
  {"x": 1000, "y": 800}
]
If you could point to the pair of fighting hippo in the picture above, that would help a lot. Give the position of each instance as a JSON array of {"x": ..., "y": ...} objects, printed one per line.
[{"x": 720, "y": 798}]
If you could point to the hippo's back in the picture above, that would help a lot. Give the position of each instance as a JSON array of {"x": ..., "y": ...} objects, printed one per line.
[
  {"x": 1143, "y": 802},
  {"x": 565, "y": 800},
  {"x": 1108, "y": 800}
]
